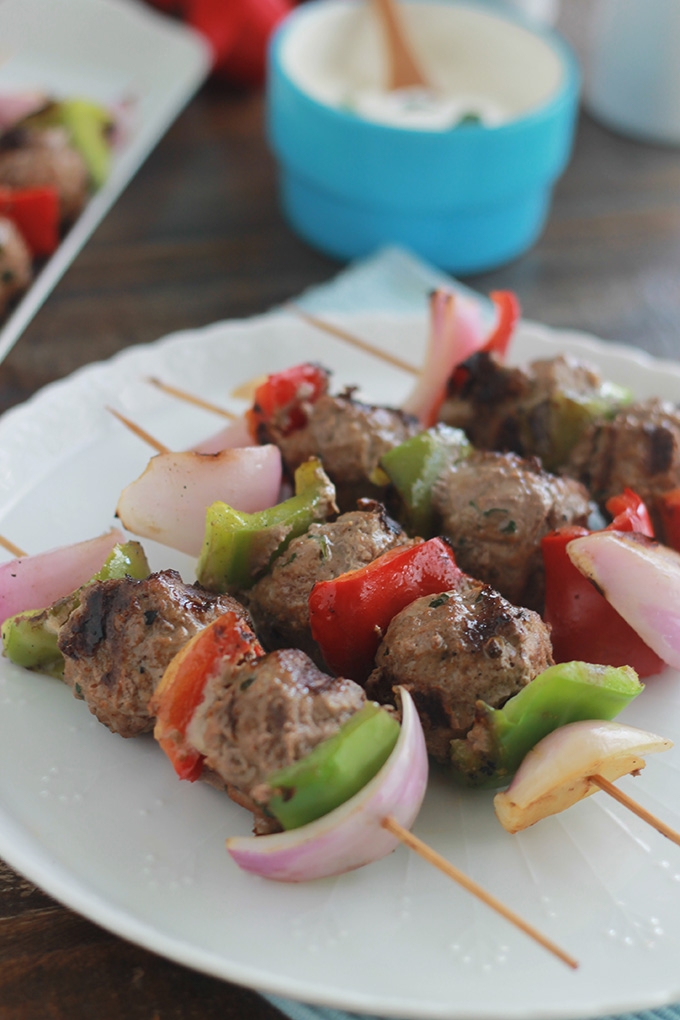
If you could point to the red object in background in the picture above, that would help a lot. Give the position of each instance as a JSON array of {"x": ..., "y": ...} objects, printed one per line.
[
  {"x": 237, "y": 30},
  {"x": 35, "y": 211}
]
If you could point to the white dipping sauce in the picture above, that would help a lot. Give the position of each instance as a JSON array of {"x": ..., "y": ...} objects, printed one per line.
[{"x": 481, "y": 67}]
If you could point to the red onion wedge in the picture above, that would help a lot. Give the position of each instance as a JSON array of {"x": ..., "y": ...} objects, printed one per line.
[
  {"x": 456, "y": 332},
  {"x": 641, "y": 580},
  {"x": 560, "y": 769},
  {"x": 168, "y": 501},
  {"x": 35, "y": 582},
  {"x": 352, "y": 834}
]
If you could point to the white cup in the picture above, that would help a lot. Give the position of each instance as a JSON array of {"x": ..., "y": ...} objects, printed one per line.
[{"x": 632, "y": 68}]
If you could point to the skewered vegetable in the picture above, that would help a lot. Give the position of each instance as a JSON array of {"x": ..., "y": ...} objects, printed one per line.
[
  {"x": 501, "y": 737},
  {"x": 559, "y": 770}
]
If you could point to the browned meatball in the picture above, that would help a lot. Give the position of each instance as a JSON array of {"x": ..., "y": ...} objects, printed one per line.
[
  {"x": 118, "y": 643},
  {"x": 495, "y": 508},
  {"x": 15, "y": 265},
  {"x": 451, "y": 650},
  {"x": 638, "y": 449},
  {"x": 539, "y": 410},
  {"x": 279, "y": 602},
  {"x": 349, "y": 437},
  {"x": 45, "y": 158},
  {"x": 264, "y": 715}
]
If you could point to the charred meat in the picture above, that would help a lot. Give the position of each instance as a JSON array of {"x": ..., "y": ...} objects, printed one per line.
[
  {"x": 279, "y": 602},
  {"x": 453, "y": 649},
  {"x": 638, "y": 449},
  {"x": 495, "y": 508},
  {"x": 539, "y": 410},
  {"x": 118, "y": 642},
  {"x": 33, "y": 158}
]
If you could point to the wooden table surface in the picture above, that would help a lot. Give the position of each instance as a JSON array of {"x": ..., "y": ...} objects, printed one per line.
[{"x": 198, "y": 237}]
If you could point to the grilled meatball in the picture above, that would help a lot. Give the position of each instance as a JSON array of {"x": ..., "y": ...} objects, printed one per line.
[
  {"x": 540, "y": 410},
  {"x": 350, "y": 438},
  {"x": 453, "y": 649},
  {"x": 261, "y": 716},
  {"x": 15, "y": 264},
  {"x": 118, "y": 642},
  {"x": 279, "y": 600},
  {"x": 32, "y": 158},
  {"x": 639, "y": 448},
  {"x": 495, "y": 508}
]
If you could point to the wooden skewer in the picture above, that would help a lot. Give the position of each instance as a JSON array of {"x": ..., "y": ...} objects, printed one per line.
[
  {"x": 432, "y": 857},
  {"x": 139, "y": 431},
  {"x": 636, "y": 808},
  {"x": 12, "y": 548},
  {"x": 355, "y": 341},
  {"x": 190, "y": 398}
]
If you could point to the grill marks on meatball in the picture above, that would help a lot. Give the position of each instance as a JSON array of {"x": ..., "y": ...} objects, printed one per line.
[
  {"x": 118, "y": 643},
  {"x": 453, "y": 649},
  {"x": 639, "y": 448}
]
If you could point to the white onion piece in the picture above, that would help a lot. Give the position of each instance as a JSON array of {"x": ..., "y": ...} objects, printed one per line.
[
  {"x": 168, "y": 501},
  {"x": 233, "y": 435},
  {"x": 35, "y": 582},
  {"x": 456, "y": 332},
  {"x": 641, "y": 580},
  {"x": 352, "y": 834},
  {"x": 555, "y": 773}
]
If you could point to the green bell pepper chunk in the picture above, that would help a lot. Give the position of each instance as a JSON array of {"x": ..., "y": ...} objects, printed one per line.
[
  {"x": 335, "y": 770},
  {"x": 568, "y": 692},
  {"x": 414, "y": 466},
  {"x": 30, "y": 638},
  {"x": 239, "y": 547},
  {"x": 569, "y": 414}
]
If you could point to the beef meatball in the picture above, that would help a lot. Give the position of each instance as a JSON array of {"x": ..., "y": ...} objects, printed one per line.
[
  {"x": 349, "y": 437},
  {"x": 279, "y": 602},
  {"x": 451, "y": 650},
  {"x": 259, "y": 717},
  {"x": 119, "y": 641},
  {"x": 495, "y": 508},
  {"x": 638, "y": 449},
  {"x": 15, "y": 265}
]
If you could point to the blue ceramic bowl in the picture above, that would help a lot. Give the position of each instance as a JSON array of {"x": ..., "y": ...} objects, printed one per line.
[{"x": 468, "y": 197}]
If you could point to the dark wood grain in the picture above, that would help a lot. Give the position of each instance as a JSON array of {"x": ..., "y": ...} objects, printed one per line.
[{"x": 198, "y": 237}]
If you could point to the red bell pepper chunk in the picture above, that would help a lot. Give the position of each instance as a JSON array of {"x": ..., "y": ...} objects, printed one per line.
[
  {"x": 668, "y": 506},
  {"x": 280, "y": 400},
  {"x": 35, "y": 211},
  {"x": 629, "y": 513},
  {"x": 509, "y": 311},
  {"x": 584, "y": 626},
  {"x": 350, "y": 613},
  {"x": 181, "y": 690}
]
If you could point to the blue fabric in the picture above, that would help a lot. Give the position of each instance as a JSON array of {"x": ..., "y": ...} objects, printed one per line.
[{"x": 391, "y": 280}]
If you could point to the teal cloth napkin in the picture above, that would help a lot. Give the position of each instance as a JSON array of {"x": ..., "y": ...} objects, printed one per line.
[{"x": 391, "y": 280}]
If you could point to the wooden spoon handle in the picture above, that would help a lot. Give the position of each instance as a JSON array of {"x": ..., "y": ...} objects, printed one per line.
[{"x": 403, "y": 69}]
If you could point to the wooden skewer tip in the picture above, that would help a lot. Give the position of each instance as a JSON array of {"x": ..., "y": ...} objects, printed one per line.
[
  {"x": 432, "y": 857},
  {"x": 141, "y": 433}
]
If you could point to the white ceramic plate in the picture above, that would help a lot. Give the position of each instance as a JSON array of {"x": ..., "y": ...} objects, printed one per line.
[
  {"x": 106, "y": 50},
  {"x": 102, "y": 824}
]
